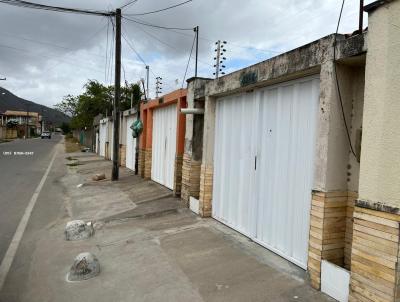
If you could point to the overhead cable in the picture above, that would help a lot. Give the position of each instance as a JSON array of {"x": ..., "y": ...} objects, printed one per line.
[
  {"x": 338, "y": 84},
  {"x": 160, "y": 10},
  {"x": 187, "y": 65},
  {"x": 20, "y": 3},
  {"x": 154, "y": 25},
  {"x": 129, "y": 3},
  {"x": 133, "y": 48}
]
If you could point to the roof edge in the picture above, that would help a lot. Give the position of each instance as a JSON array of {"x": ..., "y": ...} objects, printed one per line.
[{"x": 374, "y": 5}]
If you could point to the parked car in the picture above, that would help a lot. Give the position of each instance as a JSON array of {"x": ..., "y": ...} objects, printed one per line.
[{"x": 46, "y": 134}]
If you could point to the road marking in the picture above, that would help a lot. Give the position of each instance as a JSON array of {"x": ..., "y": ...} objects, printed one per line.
[{"x": 12, "y": 249}]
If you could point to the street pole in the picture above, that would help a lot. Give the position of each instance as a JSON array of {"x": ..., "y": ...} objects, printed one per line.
[
  {"x": 27, "y": 122},
  {"x": 115, "y": 168},
  {"x": 147, "y": 81},
  {"x": 361, "y": 18},
  {"x": 196, "y": 29}
]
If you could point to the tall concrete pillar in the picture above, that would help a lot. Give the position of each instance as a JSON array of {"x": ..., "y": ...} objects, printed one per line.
[{"x": 207, "y": 165}]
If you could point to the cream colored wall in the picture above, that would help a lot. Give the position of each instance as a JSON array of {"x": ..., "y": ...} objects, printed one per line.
[
  {"x": 356, "y": 123},
  {"x": 380, "y": 156},
  {"x": 123, "y": 130},
  {"x": 335, "y": 168}
]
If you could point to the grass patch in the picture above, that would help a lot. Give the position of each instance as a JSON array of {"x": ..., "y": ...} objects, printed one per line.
[
  {"x": 70, "y": 158},
  {"x": 72, "y": 145}
]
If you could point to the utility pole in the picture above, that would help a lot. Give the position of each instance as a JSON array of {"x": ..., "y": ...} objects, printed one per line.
[
  {"x": 361, "y": 19},
  {"x": 27, "y": 121},
  {"x": 196, "y": 29},
  {"x": 158, "y": 86},
  {"x": 117, "y": 96},
  {"x": 147, "y": 81}
]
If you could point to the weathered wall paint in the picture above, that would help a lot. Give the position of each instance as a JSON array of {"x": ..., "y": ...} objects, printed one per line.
[{"x": 380, "y": 164}]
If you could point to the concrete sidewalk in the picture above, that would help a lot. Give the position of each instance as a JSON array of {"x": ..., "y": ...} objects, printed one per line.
[{"x": 151, "y": 249}]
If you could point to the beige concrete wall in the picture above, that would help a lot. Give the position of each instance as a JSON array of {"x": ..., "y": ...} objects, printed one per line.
[
  {"x": 380, "y": 164},
  {"x": 356, "y": 123},
  {"x": 335, "y": 167},
  {"x": 122, "y": 132}
]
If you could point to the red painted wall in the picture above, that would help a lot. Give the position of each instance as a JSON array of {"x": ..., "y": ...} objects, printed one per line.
[{"x": 177, "y": 97}]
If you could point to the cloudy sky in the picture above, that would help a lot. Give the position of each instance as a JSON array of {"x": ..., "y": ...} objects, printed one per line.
[{"x": 46, "y": 55}]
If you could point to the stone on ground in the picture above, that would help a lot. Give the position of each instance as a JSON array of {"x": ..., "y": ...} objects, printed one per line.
[
  {"x": 98, "y": 177},
  {"x": 85, "y": 266},
  {"x": 78, "y": 230}
]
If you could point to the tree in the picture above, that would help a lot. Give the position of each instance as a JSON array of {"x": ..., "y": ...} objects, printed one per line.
[
  {"x": 11, "y": 124},
  {"x": 68, "y": 105},
  {"x": 130, "y": 91},
  {"x": 96, "y": 99},
  {"x": 65, "y": 128}
]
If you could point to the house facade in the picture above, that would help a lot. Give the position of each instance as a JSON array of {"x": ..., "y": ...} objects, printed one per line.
[
  {"x": 30, "y": 121},
  {"x": 162, "y": 140},
  {"x": 299, "y": 153}
]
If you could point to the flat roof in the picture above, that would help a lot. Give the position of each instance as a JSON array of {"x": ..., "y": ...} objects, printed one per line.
[{"x": 21, "y": 113}]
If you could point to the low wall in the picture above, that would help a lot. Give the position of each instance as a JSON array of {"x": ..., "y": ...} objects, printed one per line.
[
  {"x": 8, "y": 133},
  {"x": 85, "y": 138}
]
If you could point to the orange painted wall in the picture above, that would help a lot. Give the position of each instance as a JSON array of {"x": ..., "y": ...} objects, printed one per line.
[{"x": 177, "y": 97}]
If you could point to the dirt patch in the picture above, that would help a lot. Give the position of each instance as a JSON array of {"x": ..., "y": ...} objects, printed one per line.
[{"x": 72, "y": 145}]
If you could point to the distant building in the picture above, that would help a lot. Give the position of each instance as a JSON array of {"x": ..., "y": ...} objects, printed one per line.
[
  {"x": 2, "y": 119},
  {"x": 30, "y": 120}
]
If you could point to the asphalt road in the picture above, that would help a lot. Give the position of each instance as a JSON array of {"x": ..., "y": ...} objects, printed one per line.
[{"x": 20, "y": 174}]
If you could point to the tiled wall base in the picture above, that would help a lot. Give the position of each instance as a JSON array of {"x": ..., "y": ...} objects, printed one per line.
[
  {"x": 329, "y": 216},
  {"x": 141, "y": 163},
  {"x": 178, "y": 175},
  {"x": 190, "y": 178},
  {"x": 206, "y": 188},
  {"x": 122, "y": 155},
  {"x": 374, "y": 256},
  {"x": 147, "y": 164}
]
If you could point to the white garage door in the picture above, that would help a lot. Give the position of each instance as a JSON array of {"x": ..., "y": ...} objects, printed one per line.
[
  {"x": 102, "y": 140},
  {"x": 263, "y": 165},
  {"x": 130, "y": 144},
  {"x": 164, "y": 145}
]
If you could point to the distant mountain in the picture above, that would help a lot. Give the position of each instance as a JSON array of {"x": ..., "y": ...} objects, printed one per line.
[{"x": 9, "y": 101}]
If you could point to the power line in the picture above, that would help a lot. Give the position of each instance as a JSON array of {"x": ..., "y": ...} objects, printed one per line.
[
  {"x": 129, "y": 3},
  {"x": 165, "y": 43},
  {"x": 171, "y": 29},
  {"x": 337, "y": 82},
  {"x": 29, "y": 53},
  {"x": 187, "y": 66},
  {"x": 125, "y": 37},
  {"x": 160, "y": 10},
  {"x": 154, "y": 25},
  {"x": 85, "y": 42},
  {"x": 20, "y": 3},
  {"x": 156, "y": 38},
  {"x": 133, "y": 48}
]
